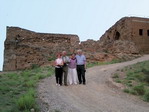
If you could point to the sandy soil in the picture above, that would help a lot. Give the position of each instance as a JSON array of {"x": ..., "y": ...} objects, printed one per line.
[{"x": 96, "y": 96}]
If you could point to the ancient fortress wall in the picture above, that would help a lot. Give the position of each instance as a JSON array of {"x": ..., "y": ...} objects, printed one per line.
[
  {"x": 124, "y": 36},
  {"x": 140, "y": 33},
  {"x": 127, "y": 38},
  {"x": 24, "y": 48}
]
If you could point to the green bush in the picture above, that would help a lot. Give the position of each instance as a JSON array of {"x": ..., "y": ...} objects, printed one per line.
[
  {"x": 140, "y": 77},
  {"x": 11, "y": 75},
  {"x": 26, "y": 73},
  {"x": 130, "y": 78},
  {"x": 145, "y": 71},
  {"x": 129, "y": 81},
  {"x": 31, "y": 92},
  {"x": 92, "y": 64},
  {"x": 146, "y": 96},
  {"x": 26, "y": 102},
  {"x": 146, "y": 74},
  {"x": 133, "y": 92},
  {"x": 34, "y": 66},
  {"x": 115, "y": 61},
  {"x": 30, "y": 83},
  {"x": 147, "y": 78},
  {"x": 115, "y": 75},
  {"x": 118, "y": 81},
  {"x": 130, "y": 73},
  {"x": 41, "y": 76},
  {"x": 139, "y": 89},
  {"x": 128, "y": 84},
  {"x": 126, "y": 90}
]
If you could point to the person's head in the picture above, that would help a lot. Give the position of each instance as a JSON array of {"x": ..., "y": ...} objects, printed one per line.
[
  {"x": 79, "y": 52},
  {"x": 64, "y": 53},
  {"x": 73, "y": 55},
  {"x": 59, "y": 55}
]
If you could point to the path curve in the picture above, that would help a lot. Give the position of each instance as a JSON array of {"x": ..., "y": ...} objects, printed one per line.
[{"x": 95, "y": 96}]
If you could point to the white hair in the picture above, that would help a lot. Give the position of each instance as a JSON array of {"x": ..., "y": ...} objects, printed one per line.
[
  {"x": 63, "y": 51},
  {"x": 79, "y": 50}
]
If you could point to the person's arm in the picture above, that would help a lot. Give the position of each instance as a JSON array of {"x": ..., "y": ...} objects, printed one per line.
[
  {"x": 68, "y": 60},
  {"x": 85, "y": 64}
]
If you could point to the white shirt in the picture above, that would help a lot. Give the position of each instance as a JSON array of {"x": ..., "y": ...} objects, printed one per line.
[{"x": 58, "y": 61}]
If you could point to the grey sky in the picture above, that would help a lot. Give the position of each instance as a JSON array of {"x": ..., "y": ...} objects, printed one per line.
[{"x": 89, "y": 19}]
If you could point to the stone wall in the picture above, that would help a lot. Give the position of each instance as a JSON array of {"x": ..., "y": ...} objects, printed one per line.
[
  {"x": 24, "y": 48},
  {"x": 140, "y": 25},
  {"x": 126, "y": 39},
  {"x": 94, "y": 51},
  {"x": 123, "y": 38}
]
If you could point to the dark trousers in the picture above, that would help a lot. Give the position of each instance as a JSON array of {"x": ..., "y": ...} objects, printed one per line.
[
  {"x": 81, "y": 73},
  {"x": 58, "y": 75},
  {"x": 65, "y": 73}
]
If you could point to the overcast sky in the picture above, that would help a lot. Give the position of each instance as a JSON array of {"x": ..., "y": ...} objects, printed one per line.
[{"x": 89, "y": 19}]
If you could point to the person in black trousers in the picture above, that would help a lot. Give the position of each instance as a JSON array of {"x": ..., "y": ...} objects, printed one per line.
[
  {"x": 58, "y": 69},
  {"x": 81, "y": 66}
]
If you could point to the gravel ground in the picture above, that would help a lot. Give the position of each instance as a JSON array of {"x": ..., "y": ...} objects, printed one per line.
[{"x": 95, "y": 96}]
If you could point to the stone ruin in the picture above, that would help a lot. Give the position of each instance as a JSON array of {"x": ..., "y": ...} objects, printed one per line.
[
  {"x": 130, "y": 35},
  {"x": 24, "y": 48},
  {"x": 126, "y": 39}
]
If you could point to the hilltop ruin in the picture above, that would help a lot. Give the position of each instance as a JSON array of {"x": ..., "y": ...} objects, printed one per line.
[{"x": 127, "y": 38}]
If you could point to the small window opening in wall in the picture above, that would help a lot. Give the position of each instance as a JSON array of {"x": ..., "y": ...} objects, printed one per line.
[
  {"x": 148, "y": 32},
  {"x": 140, "y": 31},
  {"x": 117, "y": 35}
]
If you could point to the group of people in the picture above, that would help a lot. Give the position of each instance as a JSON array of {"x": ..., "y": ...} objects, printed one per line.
[{"x": 70, "y": 69}]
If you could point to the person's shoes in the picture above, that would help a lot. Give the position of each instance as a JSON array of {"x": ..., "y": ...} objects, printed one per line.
[
  {"x": 84, "y": 83},
  {"x": 66, "y": 85},
  {"x": 80, "y": 82},
  {"x": 58, "y": 85}
]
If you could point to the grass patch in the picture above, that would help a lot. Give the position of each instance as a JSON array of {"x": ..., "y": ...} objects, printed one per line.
[
  {"x": 26, "y": 102},
  {"x": 91, "y": 64},
  {"x": 18, "y": 89},
  {"x": 136, "y": 79},
  {"x": 146, "y": 96},
  {"x": 139, "y": 89},
  {"x": 126, "y": 90},
  {"x": 118, "y": 81},
  {"x": 115, "y": 75}
]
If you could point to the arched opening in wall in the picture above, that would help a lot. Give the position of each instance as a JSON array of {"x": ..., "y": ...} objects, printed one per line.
[
  {"x": 108, "y": 37},
  {"x": 117, "y": 35},
  {"x": 148, "y": 32},
  {"x": 140, "y": 32}
]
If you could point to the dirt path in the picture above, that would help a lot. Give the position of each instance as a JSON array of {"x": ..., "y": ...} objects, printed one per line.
[{"x": 95, "y": 96}]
